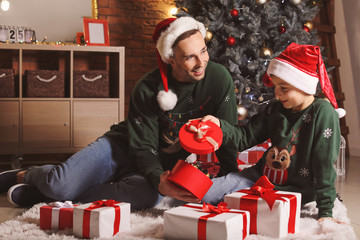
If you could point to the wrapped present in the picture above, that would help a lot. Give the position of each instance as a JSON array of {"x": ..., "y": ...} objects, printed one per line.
[
  {"x": 200, "y": 137},
  {"x": 196, "y": 221},
  {"x": 190, "y": 178},
  {"x": 102, "y": 218},
  {"x": 272, "y": 213},
  {"x": 250, "y": 156},
  {"x": 57, "y": 215}
]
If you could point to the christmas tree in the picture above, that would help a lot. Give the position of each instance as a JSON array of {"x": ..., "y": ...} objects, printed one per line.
[{"x": 244, "y": 35}]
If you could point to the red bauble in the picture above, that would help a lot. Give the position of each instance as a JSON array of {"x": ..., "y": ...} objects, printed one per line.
[
  {"x": 282, "y": 29},
  {"x": 230, "y": 41},
  {"x": 234, "y": 13},
  {"x": 306, "y": 28}
]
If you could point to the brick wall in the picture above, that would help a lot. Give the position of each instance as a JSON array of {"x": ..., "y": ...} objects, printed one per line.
[{"x": 131, "y": 24}]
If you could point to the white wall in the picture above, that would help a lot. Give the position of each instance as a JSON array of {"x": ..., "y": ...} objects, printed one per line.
[
  {"x": 347, "y": 37},
  {"x": 58, "y": 20}
]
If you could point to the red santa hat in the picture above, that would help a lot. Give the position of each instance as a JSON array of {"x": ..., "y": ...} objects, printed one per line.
[
  {"x": 302, "y": 67},
  {"x": 165, "y": 34}
]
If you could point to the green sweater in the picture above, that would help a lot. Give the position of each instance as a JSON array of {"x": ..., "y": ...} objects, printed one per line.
[
  {"x": 150, "y": 134},
  {"x": 315, "y": 134}
]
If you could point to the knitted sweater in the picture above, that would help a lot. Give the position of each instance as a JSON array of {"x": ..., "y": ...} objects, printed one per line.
[
  {"x": 151, "y": 135},
  {"x": 315, "y": 135}
]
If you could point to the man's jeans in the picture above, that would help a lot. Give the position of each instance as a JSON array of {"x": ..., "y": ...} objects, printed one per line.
[
  {"x": 99, "y": 171},
  {"x": 232, "y": 182}
]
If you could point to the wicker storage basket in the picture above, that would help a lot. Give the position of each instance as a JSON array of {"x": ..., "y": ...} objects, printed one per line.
[
  {"x": 7, "y": 83},
  {"x": 91, "y": 83},
  {"x": 44, "y": 83}
]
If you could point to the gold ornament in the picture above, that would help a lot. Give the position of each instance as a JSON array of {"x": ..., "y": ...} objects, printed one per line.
[
  {"x": 261, "y": 99},
  {"x": 247, "y": 89},
  {"x": 208, "y": 36},
  {"x": 260, "y": 2},
  {"x": 309, "y": 24},
  {"x": 242, "y": 112},
  {"x": 266, "y": 52}
]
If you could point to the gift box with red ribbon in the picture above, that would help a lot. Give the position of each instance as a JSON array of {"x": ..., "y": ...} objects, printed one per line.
[
  {"x": 253, "y": 154},
  {"x": 102, "y": 218},
  {"x": 196, "y": 221},
  {"x": 200, "y": 137},
  {"x": 57, "y": 215},
  {"x": 272, "y": 213}
]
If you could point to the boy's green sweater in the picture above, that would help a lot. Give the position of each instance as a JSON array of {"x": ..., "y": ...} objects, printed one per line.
[
  {"x": 148, "y": 131},
  {"x": 314, "y": 132}
]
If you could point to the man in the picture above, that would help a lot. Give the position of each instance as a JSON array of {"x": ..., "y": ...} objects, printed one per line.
[{"x": 131, "y": 162}]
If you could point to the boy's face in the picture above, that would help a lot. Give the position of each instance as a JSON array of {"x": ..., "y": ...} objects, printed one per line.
[
  {"x": 190, "y": 59},
  {"x": 290, "y": 97}
]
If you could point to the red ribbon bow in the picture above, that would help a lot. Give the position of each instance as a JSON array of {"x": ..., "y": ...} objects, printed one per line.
[
  {"x": 200, "y": 128},
  {"x": 99, "y": 204},
  {"x": 220, "y": 208},
  {"x": 264, "y": 189},
  {"x": 213, "y": 211},
  {"x": 103, "y": 203},
  {"x": 202, "y": 131}
]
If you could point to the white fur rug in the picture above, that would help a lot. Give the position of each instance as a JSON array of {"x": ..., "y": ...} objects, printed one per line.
[{"x": 148, "y": 224}]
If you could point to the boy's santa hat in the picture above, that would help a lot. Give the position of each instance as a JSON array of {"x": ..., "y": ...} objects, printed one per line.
[
  {"x": 302, "y": 67},
  {"x": 165, "y": 34}
]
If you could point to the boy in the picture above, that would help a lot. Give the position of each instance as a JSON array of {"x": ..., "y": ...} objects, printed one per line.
[{"x": 304, "y": 131}]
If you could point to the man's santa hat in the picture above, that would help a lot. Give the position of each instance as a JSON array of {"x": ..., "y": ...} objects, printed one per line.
[
  {"x": 165, "y": 34},
  {"x": 302, "y": 67}
]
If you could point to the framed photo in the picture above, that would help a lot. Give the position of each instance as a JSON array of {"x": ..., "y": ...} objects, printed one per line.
[{"x": 96, "y": 32}]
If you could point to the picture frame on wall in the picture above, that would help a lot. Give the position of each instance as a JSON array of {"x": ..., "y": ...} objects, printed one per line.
[{"x": 96, "y": 32}]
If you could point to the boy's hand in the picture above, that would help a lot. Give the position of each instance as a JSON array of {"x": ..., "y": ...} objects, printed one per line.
[
  {"x": 320, "y": 220},
  {"x": 167, "y": 188},
  {"x": 211, "y": 119}
]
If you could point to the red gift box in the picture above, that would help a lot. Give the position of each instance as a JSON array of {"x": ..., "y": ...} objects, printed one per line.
[
  {"x": 272, "y": 213},
  {"x": 192, "y": 179},
  {"x": 100, "y": 219},
  {"x": 195, "y": 221},
  {"x": 200, "y": 137},
  {"x": 57, "y": 215}
]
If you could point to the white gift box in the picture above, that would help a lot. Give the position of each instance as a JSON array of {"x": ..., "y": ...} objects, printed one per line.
[
  {"x": 101, "y": 219},
  {"x": 282, "y": 219},
  {"x": 190, "y": 221}
]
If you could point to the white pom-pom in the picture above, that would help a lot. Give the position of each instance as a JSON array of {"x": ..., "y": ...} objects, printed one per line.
[
  {"x": 167, "y": 100},
  {"x": 341, "y": 112}
]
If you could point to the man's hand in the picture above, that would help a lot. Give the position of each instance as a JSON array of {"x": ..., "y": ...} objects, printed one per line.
[
  {"x": 169, "y": 189},
  {"x": 211, "y": 119}
]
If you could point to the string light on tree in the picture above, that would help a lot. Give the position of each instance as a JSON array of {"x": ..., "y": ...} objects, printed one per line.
[
  {"x": 261, "y": 2},
  {"x": 295, "y": 2}
]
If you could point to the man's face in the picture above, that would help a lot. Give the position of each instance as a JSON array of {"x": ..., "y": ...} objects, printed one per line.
[{"x": 190, "y": 59}]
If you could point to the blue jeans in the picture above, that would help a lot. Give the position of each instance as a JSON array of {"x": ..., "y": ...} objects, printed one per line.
[
  {"x": 229, "y": 183},
  {"x": 99, "y": 171}
]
